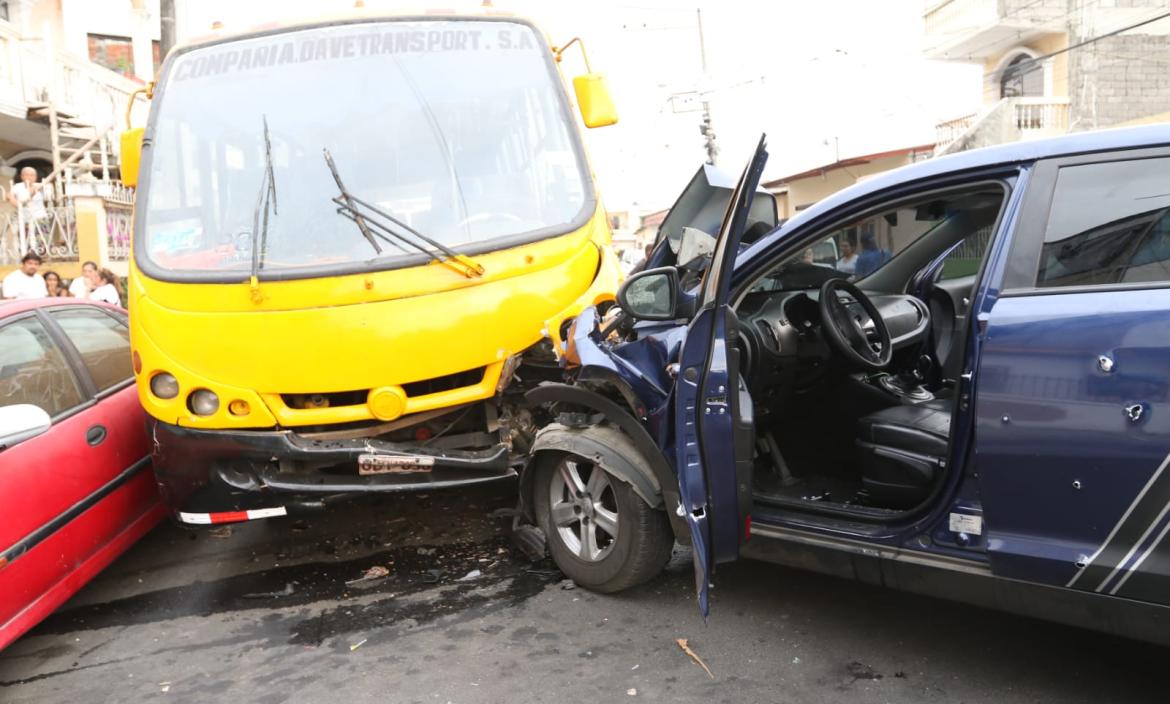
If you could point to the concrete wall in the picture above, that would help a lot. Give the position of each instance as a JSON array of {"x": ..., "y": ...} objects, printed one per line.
[{"x": 1119, "y": 79}]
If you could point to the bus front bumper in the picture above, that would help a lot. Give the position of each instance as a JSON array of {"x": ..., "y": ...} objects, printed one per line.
[{"x": 222, "y": 476}]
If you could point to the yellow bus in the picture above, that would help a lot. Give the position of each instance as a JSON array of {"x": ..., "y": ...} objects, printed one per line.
[{"x": 357, "y": 243}]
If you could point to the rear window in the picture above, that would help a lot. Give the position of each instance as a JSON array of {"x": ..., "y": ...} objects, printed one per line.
[{"x": 1109, "y": 224}]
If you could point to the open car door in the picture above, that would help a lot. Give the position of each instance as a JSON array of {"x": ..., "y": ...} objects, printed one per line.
[{"x": 714, "y": 427}]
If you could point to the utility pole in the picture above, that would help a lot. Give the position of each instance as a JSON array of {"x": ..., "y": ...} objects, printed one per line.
[
  {"x": 166, "y": 21},
  {"x": 705, "y": 127}
]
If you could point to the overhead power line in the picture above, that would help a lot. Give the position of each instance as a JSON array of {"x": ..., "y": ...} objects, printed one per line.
[
  {"x": 1099, "y": 37},
  {"x": 1034, "y": 62}
]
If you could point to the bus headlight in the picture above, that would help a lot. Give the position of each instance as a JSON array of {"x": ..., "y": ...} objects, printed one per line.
[
  {"x": 164, "y": 386},
  {"x": 203, "y": 402}
]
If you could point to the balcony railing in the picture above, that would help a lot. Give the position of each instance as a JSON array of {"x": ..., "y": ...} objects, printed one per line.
[
  {"x": 32, "y": 75},
  {"x": 1040, "y": 117},
  {"x": 949, "y": 131},
  {"x": 53, "y": 237},
  {"x": 119, "y": 208},
  {"x": 1008, "y": 120}
]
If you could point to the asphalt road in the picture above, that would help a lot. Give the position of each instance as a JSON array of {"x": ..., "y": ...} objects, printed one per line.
[{"x": 265, "y": 615}]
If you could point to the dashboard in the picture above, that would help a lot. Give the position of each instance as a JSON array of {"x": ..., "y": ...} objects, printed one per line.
[{"x": 784, "y": 349}]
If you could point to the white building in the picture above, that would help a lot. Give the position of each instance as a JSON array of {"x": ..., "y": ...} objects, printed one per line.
[
  {"x": 70, "y": 65},
  {"x": 68, "y": 69},
  {"x": 1053, "y": 66}
]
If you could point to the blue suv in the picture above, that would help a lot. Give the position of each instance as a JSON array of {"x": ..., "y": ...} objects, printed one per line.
[{"x": 953, "y": 379}]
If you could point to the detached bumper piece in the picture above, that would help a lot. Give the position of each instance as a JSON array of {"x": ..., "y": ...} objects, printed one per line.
[{"x": 211, "y": 472}]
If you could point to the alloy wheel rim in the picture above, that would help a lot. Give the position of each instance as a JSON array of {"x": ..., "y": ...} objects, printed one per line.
[{"x": 584, "y": 509}]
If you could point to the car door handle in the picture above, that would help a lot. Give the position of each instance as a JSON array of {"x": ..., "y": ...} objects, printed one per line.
[{"x": 95, "y": 435}]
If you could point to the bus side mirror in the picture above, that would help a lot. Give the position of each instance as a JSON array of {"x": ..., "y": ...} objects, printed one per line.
[
  {"x": 594, "y": 100},
  {"x": 131, "y": 155}
]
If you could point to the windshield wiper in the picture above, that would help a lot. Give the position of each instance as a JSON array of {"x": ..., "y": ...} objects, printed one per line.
[
  {"x": 266, "y": 197},
  {"x": 349, "y": 204},
  {"x": 351, "y": 207}
]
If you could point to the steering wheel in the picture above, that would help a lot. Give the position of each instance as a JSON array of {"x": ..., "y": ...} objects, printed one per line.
[
  {"x": 481, "y": 217},
  {"x": 846, "y": 334}
]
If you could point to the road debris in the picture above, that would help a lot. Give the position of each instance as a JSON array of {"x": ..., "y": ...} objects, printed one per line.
[
  {"x": 860, "y": 671},
  {"x": 289, "y": 590},
  {"x": 472, "y": 575},
  {"x": 530, "y": 541},
  {"x": 568, "y": 584},
  {"x": 358, "y": 644},
  {"x": 682, "y": 643},
  {"x": 220, "y": 532},
  {"x": 426, "y": 551},
  {"x": 372, "y": 576},
  {"x": 632, "y": 692},
  {"x": 164, "y": 687}
]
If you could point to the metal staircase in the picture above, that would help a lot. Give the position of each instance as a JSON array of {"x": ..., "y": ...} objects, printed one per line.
[{"x": 79, "y": 149}]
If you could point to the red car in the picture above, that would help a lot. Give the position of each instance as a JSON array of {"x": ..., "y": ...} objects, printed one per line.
[{"x": 75, "y": 482}]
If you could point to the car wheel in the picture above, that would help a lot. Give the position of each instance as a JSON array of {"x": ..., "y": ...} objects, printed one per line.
[{"x": 601, "y": 534}]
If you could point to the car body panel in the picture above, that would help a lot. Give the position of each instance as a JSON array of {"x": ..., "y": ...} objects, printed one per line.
[
  {"x": 73, "y": 497},
  {"x": 1053, "y": 481},
  {"x": 1041, "y": 387},
  {"x": 709, "y": 395}
]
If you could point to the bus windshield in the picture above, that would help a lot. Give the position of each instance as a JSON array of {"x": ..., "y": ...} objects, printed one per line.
[{"x": 459, "y": 128}]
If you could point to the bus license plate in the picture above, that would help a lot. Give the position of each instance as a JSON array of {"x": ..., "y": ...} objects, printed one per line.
[{"x": 394, "y": 464}]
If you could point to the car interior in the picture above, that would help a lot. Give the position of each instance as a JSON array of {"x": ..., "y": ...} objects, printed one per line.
[{"x": 851, "y": 348}]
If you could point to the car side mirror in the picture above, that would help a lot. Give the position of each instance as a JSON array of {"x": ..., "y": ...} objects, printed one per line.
[
  {"x": 21, "y": 422},
  {"x": 650, "y": 294}
]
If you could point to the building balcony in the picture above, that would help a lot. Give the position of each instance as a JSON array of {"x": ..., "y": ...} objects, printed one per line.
[
  {"x": 1009, "y": 120},
  {"x": 33, "y": 77},
  {"x": 974, "y": 30}
]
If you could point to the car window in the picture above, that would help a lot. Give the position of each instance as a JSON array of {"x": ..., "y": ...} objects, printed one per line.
[
  {"x": 102, "y": 341},
  {"x": 1109, "y": 224},
  {"x": 861, "y": 247},
  {"x": 33, "y": 369},
  {"x": 965, "y": 259}
]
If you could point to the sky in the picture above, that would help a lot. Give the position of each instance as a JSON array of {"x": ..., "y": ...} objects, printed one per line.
[{"x": 822, "y": 78}]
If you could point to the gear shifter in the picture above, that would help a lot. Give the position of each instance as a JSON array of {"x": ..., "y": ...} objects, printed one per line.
[{"x": 907, "y": 383}]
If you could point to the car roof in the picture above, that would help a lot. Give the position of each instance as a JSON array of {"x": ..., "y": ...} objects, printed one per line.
[
  {"x": 13, "y": 307},
  {"x": 990, "y": 157}
]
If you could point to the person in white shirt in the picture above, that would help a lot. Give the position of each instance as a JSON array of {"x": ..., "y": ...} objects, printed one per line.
[
  {"x": 106, "y": 291},
  {"x": 847, "y": 264},
  {"x": 25, "y": 282},
  {"x": 81, "y": 286},
  {"x": 28, "y": 197}
]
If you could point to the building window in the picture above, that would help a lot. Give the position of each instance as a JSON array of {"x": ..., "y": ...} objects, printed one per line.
[
  {"x": 115, "y": 53},
  {"x": 1024, "y": 76},
  {"x": 4, "y": 15}
]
